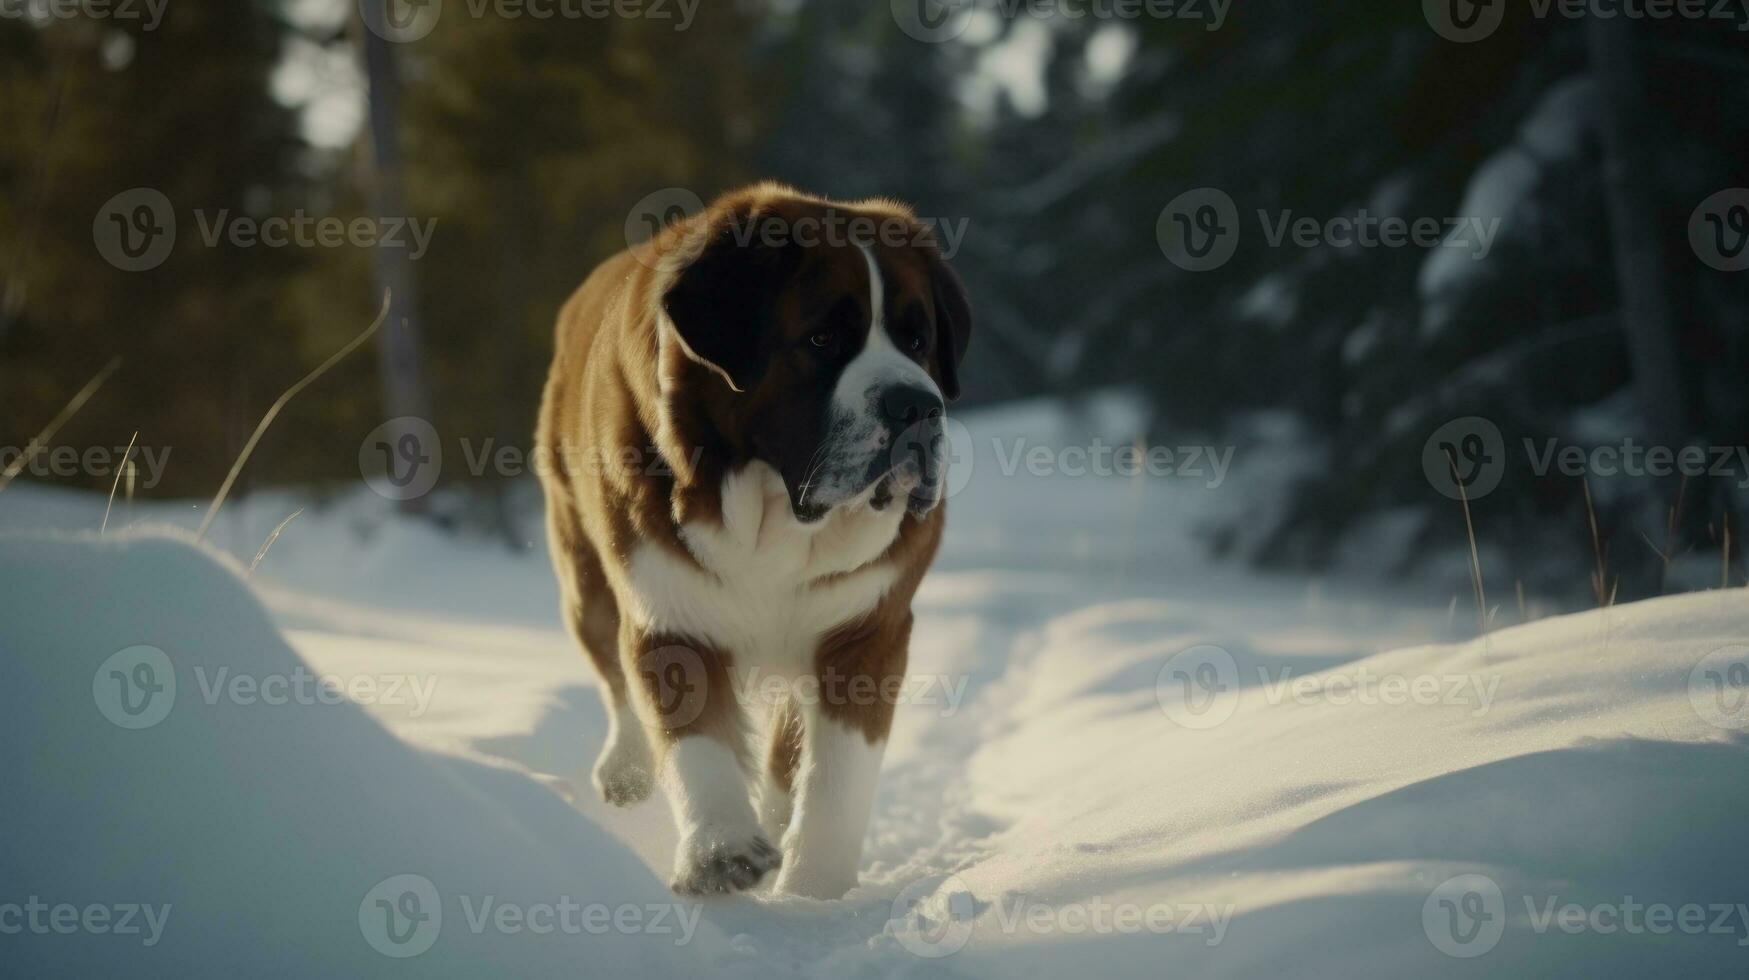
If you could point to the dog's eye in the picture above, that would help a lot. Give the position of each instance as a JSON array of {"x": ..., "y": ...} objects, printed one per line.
[
  {"x": 821, "y": 340},
  {"x": 915, "y": 343}
]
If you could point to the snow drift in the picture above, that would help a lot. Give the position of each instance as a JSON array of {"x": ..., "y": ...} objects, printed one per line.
[
  {"x": 1148, "y": 765},
  {"x": 253, "y": 819}
]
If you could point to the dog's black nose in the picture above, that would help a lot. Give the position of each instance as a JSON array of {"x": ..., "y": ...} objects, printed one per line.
[{"x": 909, "y": 404}]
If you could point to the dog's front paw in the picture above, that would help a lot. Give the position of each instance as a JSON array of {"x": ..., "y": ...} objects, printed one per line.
[
  {"x": 712, "y": 863},
  {"x": 624, "y": 775},
  {"x": 623, "y": 786}
]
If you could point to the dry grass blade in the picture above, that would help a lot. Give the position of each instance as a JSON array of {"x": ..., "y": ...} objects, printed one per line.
[
  {"x": 271, "y": 538},
  {"x": 1475, "y": 557},
  {"x": 272, "y": 413},
  {"x": 119, "y": 471},
  {"x": 42, "y": 438},
  {"x": 1725, "y": 557},
  {"x": 1599, "y": 576}
]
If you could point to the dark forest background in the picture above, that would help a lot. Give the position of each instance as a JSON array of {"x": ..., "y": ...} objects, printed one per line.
[{"x": 1059, "y": 141}]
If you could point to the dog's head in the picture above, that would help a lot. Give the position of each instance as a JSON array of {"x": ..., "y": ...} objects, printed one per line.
[{"x": 825, "y": 340}]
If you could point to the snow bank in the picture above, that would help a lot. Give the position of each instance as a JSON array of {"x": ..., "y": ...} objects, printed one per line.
[
  {"x": 181, "y": 799},
  {"x": 1585, "y": 761}
]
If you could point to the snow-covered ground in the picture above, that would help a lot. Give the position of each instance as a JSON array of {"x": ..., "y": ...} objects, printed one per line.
[{"x": 1118, "y": 759}]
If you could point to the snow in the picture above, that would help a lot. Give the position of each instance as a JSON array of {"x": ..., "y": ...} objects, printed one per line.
[{"x": 1351, "y": 794}]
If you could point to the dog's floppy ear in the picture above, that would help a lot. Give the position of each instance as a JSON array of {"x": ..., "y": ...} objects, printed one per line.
[
  {"x": 953, "y": 325},
  {"x": 720, "y": 302}
]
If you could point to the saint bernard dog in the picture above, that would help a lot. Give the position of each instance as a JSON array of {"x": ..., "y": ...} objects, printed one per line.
[{"x": 746, "y": 420}]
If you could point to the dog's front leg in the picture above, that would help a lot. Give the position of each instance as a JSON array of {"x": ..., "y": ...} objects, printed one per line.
[
  {"x": 844, "y": 734},
  {"x": 693, "y": 712}
]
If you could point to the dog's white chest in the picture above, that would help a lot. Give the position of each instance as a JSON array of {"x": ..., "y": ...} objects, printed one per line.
[{"x": 770, "y": 586}]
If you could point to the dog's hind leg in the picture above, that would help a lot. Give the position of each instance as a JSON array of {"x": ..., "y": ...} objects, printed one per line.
[
  {"x": 625, "y": 772},
  {"x": 778, "y": 776}
]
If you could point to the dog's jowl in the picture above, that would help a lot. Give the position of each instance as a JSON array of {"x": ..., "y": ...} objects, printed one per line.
[{"x": 745, "y": 418}]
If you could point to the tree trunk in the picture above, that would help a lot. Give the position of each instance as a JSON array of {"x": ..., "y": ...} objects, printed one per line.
[
  {"x": 401, "y": 370},
  {"x": 1631, "y": 139}
]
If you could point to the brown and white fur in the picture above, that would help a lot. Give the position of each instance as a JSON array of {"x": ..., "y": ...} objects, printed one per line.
[{"x": 742, "y": 426}]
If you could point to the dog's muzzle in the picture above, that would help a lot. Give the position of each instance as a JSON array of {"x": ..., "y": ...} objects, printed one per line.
[{"x": 916, "y": 460}]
